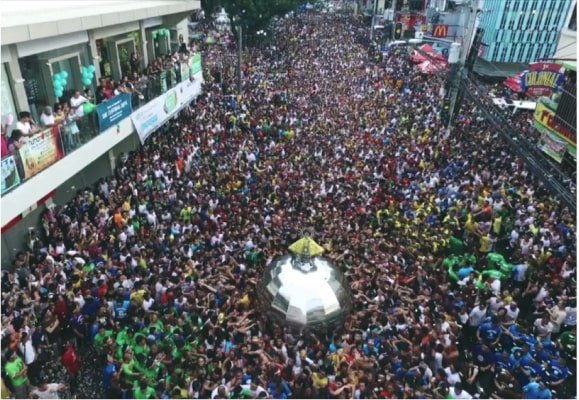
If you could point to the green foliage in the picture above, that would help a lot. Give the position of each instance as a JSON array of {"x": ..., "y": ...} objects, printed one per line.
[{"x": 254, "y": 14}]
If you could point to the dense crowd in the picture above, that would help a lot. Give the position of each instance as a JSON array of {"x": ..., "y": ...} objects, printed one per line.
[{"x": 461, "y": 265}]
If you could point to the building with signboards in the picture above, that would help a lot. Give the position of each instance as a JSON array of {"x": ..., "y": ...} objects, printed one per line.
[
  {"x": 57, "y": 50},
  {"x": 522, "y": 31}
]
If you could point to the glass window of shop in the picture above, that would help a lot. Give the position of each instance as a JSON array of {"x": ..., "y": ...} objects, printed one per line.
[
  {"x": 38, "y": 71},
  {"x": 120, "y": 55},
  {"x": 7, "y": 99}
]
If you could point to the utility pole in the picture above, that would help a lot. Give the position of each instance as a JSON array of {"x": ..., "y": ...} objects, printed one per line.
[
  {"x": 373, "y": 21},
  {"x": 468, "y": 21},
  {"x": 239, "y": 44}
]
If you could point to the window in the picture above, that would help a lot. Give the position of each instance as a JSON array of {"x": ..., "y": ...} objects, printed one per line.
[
  {"x": 503, "y": 19},
  {"x": 512, "y": 52},
  {"x": 507, "y": 5},
  {"x": 512, "y": 22},
  {"x": 521, "y": 20},
  {"x": 573, "y": 21},
  {"x": 503, "y": 54},
  {"x": 494, "y": 53},
  {"x": 525, "y": 6}
]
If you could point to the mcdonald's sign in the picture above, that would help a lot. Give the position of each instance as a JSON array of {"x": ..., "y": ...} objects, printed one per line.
[{"x": 440, "y": 31}]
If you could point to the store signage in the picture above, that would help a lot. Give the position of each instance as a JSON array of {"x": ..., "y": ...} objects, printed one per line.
[
  {"x": 113, "y": 111},
  {"x": 159, "y": 110},
  {"x": 546, "y": 117},
  {"x": 10, "y": 175},
  {"x": 41, "y": 151},
  {"x": 542, "y": 78},
  {"x": 440, "y": 31}
]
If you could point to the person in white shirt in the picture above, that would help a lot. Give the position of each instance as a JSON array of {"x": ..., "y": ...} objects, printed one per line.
[
  {"x": 25, "y": 124},
  {"x": 558, "y": 315},
  {"x": 76, "y": 103},
  {"x": 27, "y": 350},
  {"x": 543, "y": 327},
  {"x": 47, "y": 117},
  {"x": 456, "y": 392},
  {"x": 47, "y": 391}
]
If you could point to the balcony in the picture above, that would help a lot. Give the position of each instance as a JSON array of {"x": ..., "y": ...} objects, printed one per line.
[{"x": 56, "y": 153}]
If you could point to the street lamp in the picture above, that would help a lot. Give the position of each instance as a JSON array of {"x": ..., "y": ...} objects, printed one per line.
[{"x": 239, "y": 49}]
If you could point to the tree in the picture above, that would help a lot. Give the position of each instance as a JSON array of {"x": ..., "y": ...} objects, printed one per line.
[{"x": 253, "y": 15}]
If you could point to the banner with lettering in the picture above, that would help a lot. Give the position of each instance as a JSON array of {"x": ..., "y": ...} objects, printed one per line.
[
  {"x": 542, "y": 78},
  {"x": 185, "y": 71},
  {"x": 546, "y": 117},
  {"x": 155, "y": 113},
  {"x": 40, "y": 151},
  {"x": 552, "y": 146},
  {"x": 113, "y": 111},
  {"x": 10, "y": 175}
]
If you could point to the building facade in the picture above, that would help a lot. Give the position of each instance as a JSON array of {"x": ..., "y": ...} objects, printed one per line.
[
  {"x": 522, "y": 31},
  {"x": 567, "y": 45},
  {"x": 50, "y": 50}
]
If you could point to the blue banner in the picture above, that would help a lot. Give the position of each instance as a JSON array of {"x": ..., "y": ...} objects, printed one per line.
[{"x": 113, "y": 111}]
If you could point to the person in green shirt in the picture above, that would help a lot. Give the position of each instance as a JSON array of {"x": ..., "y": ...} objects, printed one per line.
[
  {"x": 143, "y": 391},
  {"x": 16, "y": 371},
  {"x": 101, "y": 337}
]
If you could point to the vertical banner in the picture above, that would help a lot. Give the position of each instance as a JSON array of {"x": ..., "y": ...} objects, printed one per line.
[
  {"x": 41, "y": 151},
  {"x": 10, "y": 175},
  {"x": 113, "y": 111},
  {"x": 185, "y": 71},
  {"x": 195, "y": 63},
  {"x": 163, "y": 81}
]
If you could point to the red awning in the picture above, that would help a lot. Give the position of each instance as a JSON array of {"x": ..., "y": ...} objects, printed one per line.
[
  {"x": 432, "y": 67},
  {"x": 513, "y": 83}
]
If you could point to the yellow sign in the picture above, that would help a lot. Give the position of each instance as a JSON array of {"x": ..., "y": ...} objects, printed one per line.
[
  {"x": 546, "y": 117},
  {"x": 440, "y": 31}
]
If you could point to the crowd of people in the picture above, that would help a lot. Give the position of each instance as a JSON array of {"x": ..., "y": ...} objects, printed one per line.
[{"x": 461, "y": 265}]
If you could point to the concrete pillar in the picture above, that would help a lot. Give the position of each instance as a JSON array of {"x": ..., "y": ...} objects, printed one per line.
[
  {"x": 15, "y": 76},
  {"x": 144, "y": 45},
  {"x": 94, "y": 53}
]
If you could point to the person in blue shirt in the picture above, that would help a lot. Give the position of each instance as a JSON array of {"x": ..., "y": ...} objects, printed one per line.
[
  {"x": 109, "y": 371},
  {"x": 540, "y": 353},
  {"x": 536, "y": 390},
  {"x": 556, "y": 373},
  {"x": 490, "y": 333},
  {"x": 503, "y": 362},
  {"x": 279, "y": 389},
  {"x": 464, "y": 272}
]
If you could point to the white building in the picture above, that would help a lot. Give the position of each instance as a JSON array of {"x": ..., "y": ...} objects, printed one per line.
[{"x": 42, "y": 39}]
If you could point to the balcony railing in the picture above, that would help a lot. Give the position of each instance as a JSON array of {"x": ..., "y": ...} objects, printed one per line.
[{"x": 51, "y": 144}]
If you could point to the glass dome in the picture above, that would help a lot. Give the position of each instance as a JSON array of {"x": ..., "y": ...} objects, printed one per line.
[{"x": 301, "y": 290}]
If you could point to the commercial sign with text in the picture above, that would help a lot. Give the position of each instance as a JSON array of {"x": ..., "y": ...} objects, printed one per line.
[
  {"x": 545, "y": 118},
  {"x": 440, "y": 31},
  {"x": 541, "y": 79},
  {"x": 41, "y": 151},
  {"x": 114, "y": 111}
]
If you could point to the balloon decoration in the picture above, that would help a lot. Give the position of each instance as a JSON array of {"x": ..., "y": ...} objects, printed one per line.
[
  {"x": 87, "y": 74},
  {"x": 161, "y": 33},
  {"x": 59, "y": 82}
]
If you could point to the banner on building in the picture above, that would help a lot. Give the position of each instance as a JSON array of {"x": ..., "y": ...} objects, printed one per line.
[
  {"x": 163, "y": 81},
  {"x": 552, "y": 146},
  {"x": 40, "y": 151},
  {"x": 155, "y": 113},
  {"x": 10, "y": 175},
  {"x": 185, "y": 71},
  {"x": 113, "y": 111},
  {"x": 542, "y": 78},
  {"x": 546, "y": 117},
  {"x": 195, "y": 64}
]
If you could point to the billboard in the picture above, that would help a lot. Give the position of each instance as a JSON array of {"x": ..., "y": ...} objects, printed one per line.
[
  {"x": 545, "y": 121},
  {"x": 542, "y": 78}
]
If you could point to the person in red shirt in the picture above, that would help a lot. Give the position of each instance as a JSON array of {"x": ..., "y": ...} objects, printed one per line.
[{"x": 71, "y": 362}]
